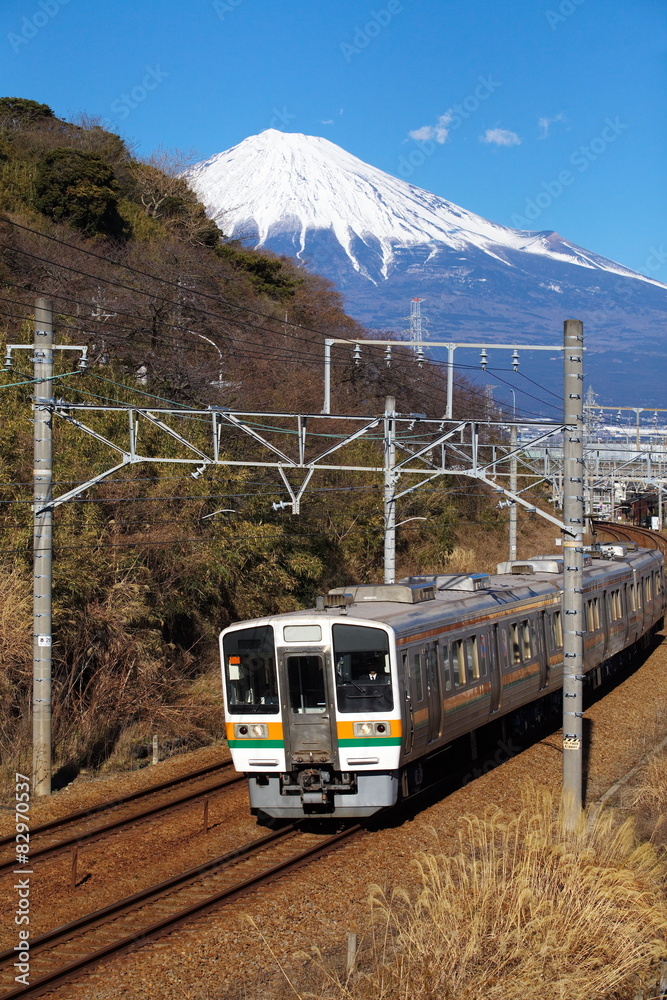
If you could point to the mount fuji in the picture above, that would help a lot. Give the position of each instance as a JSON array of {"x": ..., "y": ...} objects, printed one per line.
[{"x": 383, "y": 241}]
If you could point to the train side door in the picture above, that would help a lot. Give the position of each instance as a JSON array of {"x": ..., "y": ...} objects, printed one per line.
[
  {"x": 419, "y": 698},
  {"x": 541, "y": 650},
  {"x": 409, "y": 728},
  {"x": 431, "y": 657},
  {"x": 494, "y": 670}
]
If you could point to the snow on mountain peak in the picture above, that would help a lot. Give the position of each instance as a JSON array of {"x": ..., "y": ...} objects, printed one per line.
[{"x": 287, "y": 183}]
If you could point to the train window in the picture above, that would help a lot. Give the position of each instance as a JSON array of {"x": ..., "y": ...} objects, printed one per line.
[
  {"x": 638, "y": 592},
  {"x": 458, "y": 663},
  {"x": 503, "y": 646},
  {"x": 593, "y": 615},
  {"x": 526, "y": 649},
  {"x": 647, "y": 589},
  {"x": 433, "y": 660},
  {"x": 362, "y": 668},
  {"x": 483, "y": 663},
  {"x": 656, "y": 580},
  {"x": 555, "y": 626},
  {"x": 446, "y": 668},
  {"x": 534, "y": 639},
  {"x": 616, "y": 605},
  {"x": 633, "y": 599},
  {"x": 419, "y": 683},
  {"x": 305, "y": 676},
  {"x": 250, "y": 671},
  {"x": 516, "y": 648},
  {"x": 472, "y": 660}
]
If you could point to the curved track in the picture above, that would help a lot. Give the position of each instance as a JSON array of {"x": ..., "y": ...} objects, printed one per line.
[
  {"x": 81, "y": 827},
  {"x": 644, "y": 537},
  {"x": 63, "y": 954}
]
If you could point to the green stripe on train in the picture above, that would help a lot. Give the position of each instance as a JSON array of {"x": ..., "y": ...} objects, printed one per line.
[
  {"x": 256, "y": 744},
  {"x": 375, "y": 741}
]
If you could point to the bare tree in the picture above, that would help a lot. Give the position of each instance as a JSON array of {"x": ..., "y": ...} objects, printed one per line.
[{"x": 159, "y": 179}]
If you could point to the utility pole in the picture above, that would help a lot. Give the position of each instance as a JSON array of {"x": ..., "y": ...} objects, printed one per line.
[
  {"x": 573, "y": 570},
  {"x": 416, "y": 325},
  {"x": 389, "y": 490},
  {"x": 513, "y": 487},
  {"x": 42, "y": 546}
]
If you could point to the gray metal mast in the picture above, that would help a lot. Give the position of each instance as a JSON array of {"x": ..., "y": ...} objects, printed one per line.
[
  {"x": 573, "y": 570},
  {"x": 513, "y": 488},
  {"x": 42, "y": 547},
  {"x": 389, "y": 490},
  {"x": 416, "y": 325}
]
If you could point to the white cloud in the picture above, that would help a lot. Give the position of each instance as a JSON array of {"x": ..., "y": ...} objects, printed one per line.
[
  {"x": 326, "y": 121},
  {"x": 439, "y": 131},
  {"x": 545, "y": 123},
  {"x": 422, "y": 134},
  {"x": 500, "y": 137}
]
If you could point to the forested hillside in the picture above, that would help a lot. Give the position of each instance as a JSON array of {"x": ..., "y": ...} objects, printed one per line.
[{"x": 174, "y": 313}]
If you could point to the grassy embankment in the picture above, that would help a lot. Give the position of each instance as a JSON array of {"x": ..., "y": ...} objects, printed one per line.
[{"x": 523, "y": 911}]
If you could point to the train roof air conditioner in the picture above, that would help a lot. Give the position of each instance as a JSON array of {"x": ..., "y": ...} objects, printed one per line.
[
  {"x": 453, "y": 581},
  {"x": 616, "y": 550},
  {"x": 404, "y": 592}
]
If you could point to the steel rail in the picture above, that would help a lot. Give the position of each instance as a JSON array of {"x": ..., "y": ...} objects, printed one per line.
[
  {"x": 86, "y": 837},
  {"x": 141, "y": 793},
  {"x": 97, "y": 919},
  {"x": 645, "y": 537}
]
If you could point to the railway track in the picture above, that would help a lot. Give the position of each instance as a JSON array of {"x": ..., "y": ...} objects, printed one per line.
[
  {"x": 631, "y": 533},
  {"x": 83, "y": 827},
  {"x": 61, "y": 955}
]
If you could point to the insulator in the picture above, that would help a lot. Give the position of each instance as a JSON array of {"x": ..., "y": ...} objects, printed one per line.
[
  {"x": 356, "y": 354},
  {"x": 8, "y": 361},
  {"x": 483, "y": 358},
  {"x": 420, "y": 357},
  {"x": 387, "y": 356},
  {"x": 515, "y": 361}
]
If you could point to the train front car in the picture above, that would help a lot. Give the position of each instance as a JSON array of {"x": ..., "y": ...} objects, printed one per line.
[{"x": 313, "y": 714}]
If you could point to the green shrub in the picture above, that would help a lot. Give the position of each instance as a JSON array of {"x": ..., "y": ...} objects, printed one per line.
[{"x": 80, "y": 188}]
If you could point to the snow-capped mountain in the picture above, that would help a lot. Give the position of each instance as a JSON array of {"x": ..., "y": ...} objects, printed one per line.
[{"x": 383, "y": 241}]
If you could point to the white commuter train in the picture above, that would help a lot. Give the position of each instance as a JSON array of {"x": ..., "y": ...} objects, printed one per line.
[{"x": 333, "y": 711}]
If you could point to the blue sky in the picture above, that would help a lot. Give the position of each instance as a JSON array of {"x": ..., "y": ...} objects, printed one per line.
[{"x": 543, "y": 114}]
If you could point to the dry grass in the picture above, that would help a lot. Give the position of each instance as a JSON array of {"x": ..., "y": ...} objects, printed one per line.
[
  {"x": 649, "y": 800},
  {"x": 521, "y": 912}
]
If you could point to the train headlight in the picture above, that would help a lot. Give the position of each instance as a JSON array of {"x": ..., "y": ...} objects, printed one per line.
[
  {"x": 256, "y": 731},
  {"x": 378, "y": 729},
  {"x": 363, "y": 729}
]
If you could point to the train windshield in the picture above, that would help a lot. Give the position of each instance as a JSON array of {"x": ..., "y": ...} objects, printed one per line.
[
  {"x": 250, "y": 671},
  {"x": 363, "y": 675}
]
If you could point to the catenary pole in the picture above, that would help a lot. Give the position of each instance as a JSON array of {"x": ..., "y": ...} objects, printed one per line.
[
  {"x": 513, "y": 488},
  {"x": 42, "y": 546},
  {"x": 573, "y": 570},
  {"x": 389, "y": 490}
]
